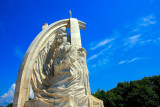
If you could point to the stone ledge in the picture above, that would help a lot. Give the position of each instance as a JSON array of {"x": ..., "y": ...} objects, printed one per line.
[{"x": 37, "y": 103}]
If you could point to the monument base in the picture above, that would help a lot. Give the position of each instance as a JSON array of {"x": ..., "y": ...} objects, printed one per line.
[
  {"x": 37, "y": 103},
  {"x": 95, "y": 102}
]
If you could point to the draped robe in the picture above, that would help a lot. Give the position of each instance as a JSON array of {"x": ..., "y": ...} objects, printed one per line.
[{"x": 64, "y": 79}]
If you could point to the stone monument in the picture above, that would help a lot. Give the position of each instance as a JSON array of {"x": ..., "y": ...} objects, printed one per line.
[{"x": 55, "y": 65}]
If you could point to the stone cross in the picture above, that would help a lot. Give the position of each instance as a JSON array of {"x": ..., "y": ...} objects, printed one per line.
[{"x": 70, "y": 13}]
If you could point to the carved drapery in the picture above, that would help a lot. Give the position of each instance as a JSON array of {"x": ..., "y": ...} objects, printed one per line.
[
  {"x": 57, "y": 68},
  {"x": 60, "y": 73}
]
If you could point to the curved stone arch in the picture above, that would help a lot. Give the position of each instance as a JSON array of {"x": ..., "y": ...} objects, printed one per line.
[{"x": 26, "y": 68}]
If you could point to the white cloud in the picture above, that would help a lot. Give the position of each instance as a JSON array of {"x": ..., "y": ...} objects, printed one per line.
[
  {"x": 129, "y": 61},
  {"x": 146, "y": 41},
  {"x": 134, "y": 59},
  {"x": 135, "y": 37},
  {"x": 126, "y": 37},
  {"x": 121, "y": 62},
  {"x": 148, "y": 20},
  {"x": 7, "y": 98},
  {"x": 139, "y": 28},
  {"x": 102, "y": 43},
  {"x": 101, "y": 52},
  {"x": 92, "y": 57},
  {"x": 131, "y": 41}
]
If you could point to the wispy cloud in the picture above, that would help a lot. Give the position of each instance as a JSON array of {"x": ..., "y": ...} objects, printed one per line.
[
  {"x": 93, "y": 57},
  {"x": 125, "y": 39},
  {"x": 129, "y": 61},
  {"x": 148, "y": 20},
  {"x": 7, "y": 97},
  {"x": 131, "y": 41},
  {"x": 146, "y": 41},
  {"x": 102, "y": 43},
  {"x": 134, "y": 37},
  {"x": 134, "y": 59},
  {"x": 99, "y": 53},
  {"x": 121, "y": 62}
]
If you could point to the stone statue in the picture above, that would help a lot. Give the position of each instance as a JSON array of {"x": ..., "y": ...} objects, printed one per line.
[{"x": 59, "y": 74}]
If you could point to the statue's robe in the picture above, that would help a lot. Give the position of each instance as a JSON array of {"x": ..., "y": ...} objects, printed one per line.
[{"x": 66, "y": 82}]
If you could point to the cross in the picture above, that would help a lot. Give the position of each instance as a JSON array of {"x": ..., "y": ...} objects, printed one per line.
[{"x": 70, "y": 13}]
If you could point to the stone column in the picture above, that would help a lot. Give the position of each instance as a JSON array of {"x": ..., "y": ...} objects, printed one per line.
[{"x": 75, "y": 32}]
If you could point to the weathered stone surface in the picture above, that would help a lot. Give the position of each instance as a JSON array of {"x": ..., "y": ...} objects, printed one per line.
[
  {"x": 56, "y": 64},
  {"x": 75, "y": 32},
  {"x": 37, "y": 103},
  {"x": 96, "y": 102}
]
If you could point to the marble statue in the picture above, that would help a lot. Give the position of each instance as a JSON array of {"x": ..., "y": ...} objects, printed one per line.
[{"x": 55, "y": 65}]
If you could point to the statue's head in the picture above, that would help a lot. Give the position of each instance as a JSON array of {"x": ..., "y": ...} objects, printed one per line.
[{"x": 61, "y": 32}]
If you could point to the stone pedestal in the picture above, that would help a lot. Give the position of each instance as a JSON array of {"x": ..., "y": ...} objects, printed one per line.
[
  {"x": 94, "y": 102},
  {"x": 37, "y": 103}
]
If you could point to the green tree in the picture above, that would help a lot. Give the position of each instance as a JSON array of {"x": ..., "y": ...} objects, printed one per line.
[
  {"x": 140, "y": 93},
  {"x": 9, "y": 105}
]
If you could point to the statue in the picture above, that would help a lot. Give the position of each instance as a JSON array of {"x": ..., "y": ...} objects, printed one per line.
[{"x": 59, "y": 75}]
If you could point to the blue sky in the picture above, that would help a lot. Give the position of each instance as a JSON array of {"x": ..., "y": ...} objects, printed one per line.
[{"x": 122, "y": 38}]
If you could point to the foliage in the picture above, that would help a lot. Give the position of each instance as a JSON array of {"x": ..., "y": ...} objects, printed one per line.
[
  {"x": 9, "y": 105},
  {"x": 140, "y": 93}
]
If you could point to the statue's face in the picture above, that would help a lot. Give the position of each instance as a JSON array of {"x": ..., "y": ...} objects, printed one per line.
[{"x": 81, "y": 53}]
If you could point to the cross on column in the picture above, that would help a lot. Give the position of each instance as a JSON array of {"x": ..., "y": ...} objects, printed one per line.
[{"x": 70, "y": 13}]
